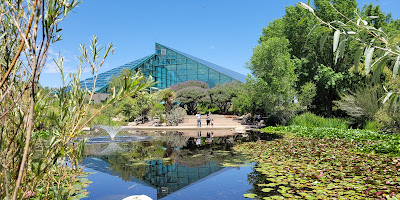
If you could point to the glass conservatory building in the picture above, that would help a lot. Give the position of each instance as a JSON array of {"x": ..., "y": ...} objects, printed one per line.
[{"x": 168, "y": 67}]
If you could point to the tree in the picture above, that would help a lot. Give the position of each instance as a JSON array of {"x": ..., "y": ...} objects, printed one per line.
[
  {"x": 33, "y": 155},
  {"x": 222, "y": 95},
  {"x": 271, "y": 62},
  {"x": 378, "y": 47},
  {"x": 379, "y": 18},
  {"x": 190, "y": 94},
  {"x": 135, "y": 107},
  {"x": 190, "y": 97},
  {"x": 312, "y": 60},
  {"x": 250, "y": 98},
  {"x": 307, "y": 94},
  {"x": 168, "y": 96}
]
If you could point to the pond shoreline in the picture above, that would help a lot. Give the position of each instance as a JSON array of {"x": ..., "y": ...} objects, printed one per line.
[{"x": 238, "y": 129}]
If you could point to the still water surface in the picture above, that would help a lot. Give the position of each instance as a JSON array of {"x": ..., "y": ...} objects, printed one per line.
[{"x": 169, "y": 165}]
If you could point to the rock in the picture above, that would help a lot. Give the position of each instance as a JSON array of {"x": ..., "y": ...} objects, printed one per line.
[
  {"x": 86, "y": 129},
  {"x": 132, "y": 123},
  {"x": 138, "y": 197},
  {"x": 115, "y": 119}
]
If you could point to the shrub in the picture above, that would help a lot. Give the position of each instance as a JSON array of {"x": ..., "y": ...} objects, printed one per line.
[
  {"x": 311, "y": 120},
  {"x": 175, "y": 116},
  {"x": 361, "y": 105},
  {"x": 388, "y": 119},
  {"x": 207, "y": 107},
  {"x": 371, "y": 126},
  {"x": 158, "y": 111}
]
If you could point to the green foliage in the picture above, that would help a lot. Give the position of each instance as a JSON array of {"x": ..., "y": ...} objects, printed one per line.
[
  {"x": 379, "y": 20},
  {"x": 158, "y": 111},
  {"x": 380, "y": 48},
  {"x": 104, "y": 118},
  {"x": 311, "y": 120},
  {"x": 327, "y": 78},
  {"x": 118, "y": 81},
  {"x": 43, "y": 126},
  {"x": 271, "y": 62},
  {"x": 127, "y": 107},
  {"x": 136, "y": 107},
  {"x": 250, "y": 98},
  {"x": 368, "y": 141},
  {"x": 307, "y": 94},
  {"x": 319, "y": 168},
  {"x": 371, "y": 126},
  {"x": 222, "y": 95},
  {"x": 175, "y": 116},
  {"x": 168, "y": 96},
  {"x": 207, "y": 107},
  {"x": 314, "y": 62},
  {"x": 187, "y": 84},
  {"x": 273, "y": 90},
  {"x": 388, "y": 119},
  {"x": 361, "y": 105},
  {"x": 189, "y": 96}
]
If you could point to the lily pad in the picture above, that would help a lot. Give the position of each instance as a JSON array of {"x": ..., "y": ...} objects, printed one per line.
[
  {"x": 250, "y": 195},
  {"x": 267, "y": 189}
]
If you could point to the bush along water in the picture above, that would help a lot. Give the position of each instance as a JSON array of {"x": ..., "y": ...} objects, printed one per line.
[{"x": 311, "y": 120}]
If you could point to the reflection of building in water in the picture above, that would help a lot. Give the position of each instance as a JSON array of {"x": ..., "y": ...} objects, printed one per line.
[
  {"x": 185, "y": 163},
  {"x": 169, "y": 179},
  {"x": 166, "y": 179}
]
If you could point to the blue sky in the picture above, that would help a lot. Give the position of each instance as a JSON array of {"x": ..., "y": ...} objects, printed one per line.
[{"x": 223, "y": 32}]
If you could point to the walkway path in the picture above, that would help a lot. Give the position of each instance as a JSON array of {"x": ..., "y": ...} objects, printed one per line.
[{"x": 221, "y": 122}]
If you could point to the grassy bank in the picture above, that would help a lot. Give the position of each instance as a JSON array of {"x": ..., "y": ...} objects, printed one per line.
[{"x": 324, "y": 163}]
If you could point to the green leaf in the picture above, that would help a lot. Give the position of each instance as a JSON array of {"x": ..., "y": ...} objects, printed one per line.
[
  {"x": 379, "y": 68},
  {"x": 336, "y": 37},
  {"x": 302, "y": 20},
  {"x": 369, "y": 52},
  {"x": 311, "y": 31},
  {"x": 267, "y": 189},
  {"x": 323, "y": 40},
  {"x": 340, "y": 51},
  {"x": 388, "y": 95},
  {"x": 250, "y": 195},
  {"x": 357, "y": 59},
  {"x": 396, "y": 67}
]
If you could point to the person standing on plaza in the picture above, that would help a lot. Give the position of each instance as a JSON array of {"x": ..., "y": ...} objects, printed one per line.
[
  {"x": 258, "y": 121},
  {"x": 208, "y": 119},
  {"x": 198, "y": 116}
]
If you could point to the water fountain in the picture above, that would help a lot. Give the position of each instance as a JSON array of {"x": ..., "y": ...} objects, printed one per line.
[{"x": 111, "y": 130}]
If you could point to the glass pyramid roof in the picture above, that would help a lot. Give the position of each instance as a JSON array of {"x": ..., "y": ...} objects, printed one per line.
[
  {"x": 233, "y": 74},
  {"x": 169, "y": 66},
  {"x": 104, "y": 78}
]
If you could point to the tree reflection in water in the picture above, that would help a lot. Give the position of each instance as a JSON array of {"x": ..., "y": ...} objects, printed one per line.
[{"x": 171, "y": 161}]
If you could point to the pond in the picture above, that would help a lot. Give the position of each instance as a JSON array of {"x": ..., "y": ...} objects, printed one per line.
[{"x": 168, "y": 165}]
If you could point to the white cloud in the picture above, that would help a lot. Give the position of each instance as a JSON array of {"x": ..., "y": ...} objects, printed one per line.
[{"x": 51, "y": 68}]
